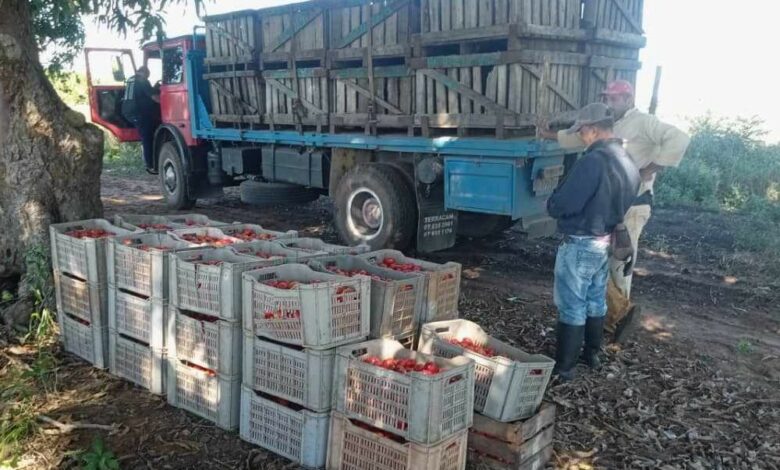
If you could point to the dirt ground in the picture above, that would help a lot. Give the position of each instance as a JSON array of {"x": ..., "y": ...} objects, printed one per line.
[{"x": 696, "y": 388}]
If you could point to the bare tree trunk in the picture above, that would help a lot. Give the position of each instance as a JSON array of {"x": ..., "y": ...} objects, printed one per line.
[{"x": 50, "y": 159}]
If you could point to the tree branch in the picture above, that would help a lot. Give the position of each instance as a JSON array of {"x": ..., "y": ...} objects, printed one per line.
[{"x": 67, "y": 428}]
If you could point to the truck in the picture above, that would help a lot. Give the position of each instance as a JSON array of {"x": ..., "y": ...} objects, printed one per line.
[{"x": 417, "y": 117}]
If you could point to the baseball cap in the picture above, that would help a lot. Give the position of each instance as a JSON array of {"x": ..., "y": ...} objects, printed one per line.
[
  {"x": 593, "y": 113},
  {"x": 618, "y": 87}
]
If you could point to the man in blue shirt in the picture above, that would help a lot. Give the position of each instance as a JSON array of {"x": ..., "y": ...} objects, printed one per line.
[{"x": 589, "y": 204}]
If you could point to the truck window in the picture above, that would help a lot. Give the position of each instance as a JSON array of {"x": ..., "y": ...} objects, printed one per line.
[{"x": 173, "y": 65}]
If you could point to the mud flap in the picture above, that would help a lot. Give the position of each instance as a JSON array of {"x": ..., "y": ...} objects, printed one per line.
[{"x": 436, "y": 226}]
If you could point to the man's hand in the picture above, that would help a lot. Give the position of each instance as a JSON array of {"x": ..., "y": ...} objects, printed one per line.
[
  {"x": 543, "y": 130},
  {"x": 648, "y": 173}
]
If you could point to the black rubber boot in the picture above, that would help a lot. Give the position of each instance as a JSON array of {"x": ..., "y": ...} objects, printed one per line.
[
  {"x": 569, "y": 344},
  {"x": 594, "y": 335},
  {"x": 627, "y": 324}
]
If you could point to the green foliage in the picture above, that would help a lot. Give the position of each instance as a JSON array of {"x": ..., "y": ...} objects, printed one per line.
[
  {"x": 744, "y": 346},
  {"x": 58, "y": 25},
  {"x": 18, "y": 407},
  {"x": 124, "y": 159},
  {"x": 39, "y": 280},
  {"x": 71, "y": 86},
  {"x": 99, "y": 457},
  {"x": 728, "y": 168}
]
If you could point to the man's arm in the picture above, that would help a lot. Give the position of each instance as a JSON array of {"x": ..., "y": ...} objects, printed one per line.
[
  {"x": 566, "y": 141},
  {"x": 577, "y": 189},
  {"x": 672, "y": 143}
]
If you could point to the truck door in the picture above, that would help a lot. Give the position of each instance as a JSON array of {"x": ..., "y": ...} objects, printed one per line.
[
  {"x": 107, "y": 71},
  {"x": 174, "y": 103}
]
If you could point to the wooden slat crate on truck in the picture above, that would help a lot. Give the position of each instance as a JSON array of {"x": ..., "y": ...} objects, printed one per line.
[{"x": 417, "y": 117}]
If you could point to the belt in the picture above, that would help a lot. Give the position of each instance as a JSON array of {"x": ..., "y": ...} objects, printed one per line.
[{"x": 574, "y": 239}]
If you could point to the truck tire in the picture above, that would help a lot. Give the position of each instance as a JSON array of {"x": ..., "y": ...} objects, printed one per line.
[
  {"x": 474, "y": 225},
  {"x": 172, "y": 178},
  {"x": 375, "y": 205},
  {"x": 259, "y": 193}
]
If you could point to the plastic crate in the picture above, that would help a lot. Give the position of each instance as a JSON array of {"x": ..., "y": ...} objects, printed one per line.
[
  {"x": 278, "y": 253},
  {"x": 141, "y": 318},
  {"x": 205, "y": 231},
  {"x": 304, "y": 377},
  {"x": 298, "y": 434},
  {"x": 82, "y": 257},
  {"x": 214, "y": 345},
  {"x": 318, "y": 315},
  {"x": 86, "y": 341},
  {"x": 137, "y": 363},
  {"x": 425, "y": 409},
  {"x": 396, "y": 301},
  {"x": 354, "y": 448},
  {"x": 315, "y": 245},
  {"x": 509, "y": 386},
  {"x": 259, "y": 231},
  {"x": 208, "y": 289},
  {"x": 442, "y": 284},
  {"x": 196, "y": 220},
  {"x": 139, "y": 263},
  {"x": 212, "y": 397},
  {"x": 146, "y": 223},
  {"x": 81, "y": 299}
]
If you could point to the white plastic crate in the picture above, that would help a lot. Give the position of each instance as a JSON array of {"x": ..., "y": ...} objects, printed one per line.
[
  {"x": 196, "y": 220},
  {"x": 274, "y": 253},
  {"x": 509, "y": 386},
  {"x": 214, "y": 345},
  {"x": 396, "y": 300},
  {"x": 82, "y": 257},
  {"x": 252, "y": 232},
  {"x": 146, "y": 223},
  {"x": 315, "y": 245},
  {"x": 354, "y": 448},
  {"x": 210, "y": 396},
  {"x": 137, "y": 363},
  {"x": 304, "y": 377},
  {"x": 86, "y": 341},
  {"x": 326, "y": 312},
  {"x": 298, "y": 434},
  {"x": 222, "y": 240},
  {"x": 140, "y": 318},
  {"x": 139, "y": 263},
  {"x": 425, "y": 409},
  {"x": 442, "y": 284},
  {"x": 81, "y": 299},
  {"x": 209, "y": 289}
]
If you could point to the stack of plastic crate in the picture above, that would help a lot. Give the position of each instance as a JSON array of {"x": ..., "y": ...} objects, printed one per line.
[
  {"x": 397, "y": 298},
  {"x": 403, "y": 408},
  {"x": 138, "y": 306},
  {"x": 79, "y": 259},
  {"x": 204, "y": 332},
  {"x": 317, "y": 247},
  {"x": 509, "y": 387},
  {"x": 294, "y": 318},
  {"x": 442, "y": 281}
]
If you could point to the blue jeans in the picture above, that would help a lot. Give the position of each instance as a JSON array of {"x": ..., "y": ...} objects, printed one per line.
[{"x": 581, "y": 273}]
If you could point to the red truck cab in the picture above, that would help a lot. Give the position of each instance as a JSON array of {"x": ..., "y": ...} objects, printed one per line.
[{"x": 179, "y": 158}]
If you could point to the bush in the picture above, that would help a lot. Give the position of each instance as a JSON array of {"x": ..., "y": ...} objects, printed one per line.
[{"x": 729, "y": 168}]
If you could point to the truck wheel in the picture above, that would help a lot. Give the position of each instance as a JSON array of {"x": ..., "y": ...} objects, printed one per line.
[
  {"x": 259, "y": 193},
  {"x": 375, "y": 205},
  {"x": 172, "y": 178},
  {"x": 482, "y": 225}
]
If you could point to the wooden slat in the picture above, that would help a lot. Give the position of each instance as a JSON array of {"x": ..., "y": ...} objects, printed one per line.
[
  {"x": 441, "y": 93},
  {"x": 363, "y": 91},
  {"x": 435, "y": 6},
  {"x": 291, "y": 94},
  {"x": 534, "y": 71},
  {"x": 476, "y": 85},
  {"x": 536, "y": 462},
  {"x": 486, "y": 12},
  {"x": 359, "y": 28},
  {"x": 446, "y": 19},
  {"x": 420, "y": 92},
  {"x": 627, "y": 16},
  {"x": 301, "y": 21},
  {"x": 515, "y": 454},
  {"x": 501, "y": 78},
  {"x": 462, "y": 90},
  {"x": 471, "y": 19},
  {"x": 406, "y": 92},
  {"x": 453, "y": 105},
  {"x": 466, "y": 105},
  {"x": 457, "y": 14},
  {"x": 515, "y": 87}
]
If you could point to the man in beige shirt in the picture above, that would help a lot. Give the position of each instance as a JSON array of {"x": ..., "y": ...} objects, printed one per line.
[{"x": 653, "y": 146}]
